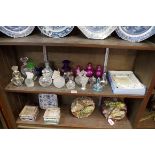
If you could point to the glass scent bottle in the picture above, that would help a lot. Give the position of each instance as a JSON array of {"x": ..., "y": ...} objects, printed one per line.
[
  {"x": 17, "y": 79},
  {"x": 92, "y": 80},
  {"x": 45, "y": 80},
  {"x": 24, "y": 68},
  {"x": 89, "y": 70},
  {"x": 84, "y": 80},
  {"x": 104, "y": 80},
  {"x": 98, "y": 87},
  {"x": 99, "y": 71},
  {"x": 66, "y": 67},
  {"x": 70, "y": 84},
  {"x": 29, "y": 80},
  {"x": 48, "y": 69},
  {"x": 59, "y": 82},
  {"x": 77, "y": 70}
]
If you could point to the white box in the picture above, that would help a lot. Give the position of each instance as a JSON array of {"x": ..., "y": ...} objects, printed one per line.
[{"x": 125, "y": 82}]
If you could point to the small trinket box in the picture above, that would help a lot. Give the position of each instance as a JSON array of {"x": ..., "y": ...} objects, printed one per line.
[
  {"x": 52, "y": 115},
  {"x": 48, "y": 101},
  {"x": 29, "y": 113}
]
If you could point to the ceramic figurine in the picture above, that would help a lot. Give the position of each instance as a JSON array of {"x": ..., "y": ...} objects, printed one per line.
[
  {"x": 17, "y": 79},
  {"x": 98, "y": 87},
  {"x": 59, "y": 82},
  {"x": 45, "y": 80},
  {"x": 70, "y": 84},
  {"x": 29, "y": 80},
  {"x": 99, "y": 71},
  {"x": 89, "y": 70}
]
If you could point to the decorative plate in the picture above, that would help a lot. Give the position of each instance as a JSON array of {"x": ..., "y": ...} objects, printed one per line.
[
  {"x": 135, "y": 33},
  {"x": 17, "y": 31},
  {"x": 97, "y": 32},
  {"x": 56, "y": 31}
]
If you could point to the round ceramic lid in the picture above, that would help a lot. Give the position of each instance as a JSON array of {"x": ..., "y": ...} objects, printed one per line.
[
  {"x": 135, "y": 33},
  {"x": 17, "y": 31},
  {"x": 56, "y": 31},
  {"x": 97, "y": 32}
]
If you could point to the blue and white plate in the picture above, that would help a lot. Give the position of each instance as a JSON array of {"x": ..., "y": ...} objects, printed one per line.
[
  {"x": 97, "y": 32},
  {"x": 17, "y": 31},
  {"x": 56, "y": 31},
  {"x": 135, "y": 33}
]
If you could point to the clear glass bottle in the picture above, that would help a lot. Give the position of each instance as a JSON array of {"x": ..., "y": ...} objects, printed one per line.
[
  {"x": 24, "y": 68},
  {"x": 70, "y": 84},
  {"x": 45, "y": 80},
  {"x": 17, "y": 79},
  {"x": 48, "y": 69},
  {"x": 84, "y": 80},
  {"x": 29, "y": 80}
]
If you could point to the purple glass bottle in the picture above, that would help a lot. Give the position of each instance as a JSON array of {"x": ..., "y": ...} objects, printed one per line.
[
  {"x": 99, "y": 71},
  {"x": 89, "y": 70},
  {"x": 66, "y": 67}
]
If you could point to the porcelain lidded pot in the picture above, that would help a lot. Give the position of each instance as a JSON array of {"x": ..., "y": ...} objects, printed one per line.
[{"x": 89, "y": 70}]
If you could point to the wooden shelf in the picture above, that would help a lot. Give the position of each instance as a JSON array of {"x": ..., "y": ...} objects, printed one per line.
[
  {"x": 67, "y": 120},
  {"x": 77, "y": 41},
  {"x": 147, "y": 124},
  {"x": 107, "y": 92}
]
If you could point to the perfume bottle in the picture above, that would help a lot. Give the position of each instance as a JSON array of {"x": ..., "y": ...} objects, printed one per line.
[
  {"x": 99, "y": 71},
  {"x": 66, "y": 67},
  {"x": 59, "y": 82},
  {"x": 104, "y": 79},
  {"x": 98, "y": 87},
  {"x": 29, "y": 80},
  {"x": 89, "y": 70},
  {"x": 17, "y": 79},
  {"x": 70, "y": 84},
  {"x": 45, "y": 80},
  {"x": 84, "y": 81},
  {"x": 77, "y": 70},
  {"x": 24, "y": 68},
  {"x": 48, "y": 69}
]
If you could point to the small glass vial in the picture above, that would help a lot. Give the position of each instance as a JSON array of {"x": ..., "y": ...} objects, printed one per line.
[
  {"x": 45, "y": 80},
  {"x": 17, "y": 79},
  {"x": 29, "y": 80}
]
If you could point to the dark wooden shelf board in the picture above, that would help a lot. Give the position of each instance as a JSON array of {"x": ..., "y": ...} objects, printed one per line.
[
  {"x": 77, "y": 41},
  {"x": 67, "y": 120},
  {"x": 107, "y": 92},
  {"x": 147, "y": 124}
]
